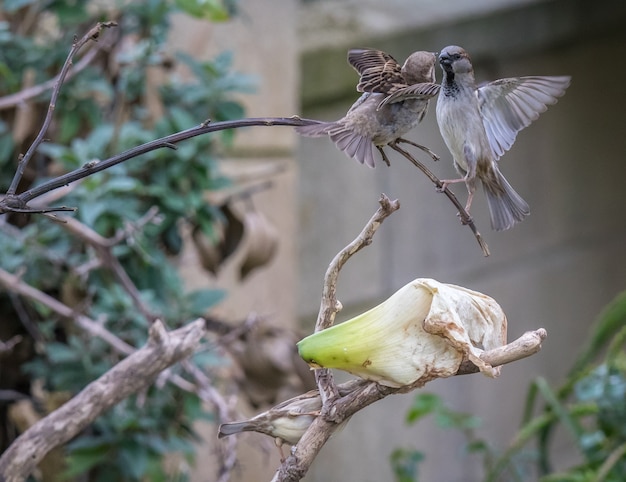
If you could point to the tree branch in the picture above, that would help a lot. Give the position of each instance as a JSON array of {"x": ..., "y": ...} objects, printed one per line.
[
  {"x": 93, "y": 34},
  {"x": 12, "y": 100},
  {"x": 329, "y": 305},
  {"x": 132, "y": 374},
  {"x": 18, "y": 203},
  {"x": 463, "y": 214},
  {"x": 343, "y": 401}
]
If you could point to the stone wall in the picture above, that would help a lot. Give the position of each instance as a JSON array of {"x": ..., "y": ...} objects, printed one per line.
[{"x": 555, "y": 270}]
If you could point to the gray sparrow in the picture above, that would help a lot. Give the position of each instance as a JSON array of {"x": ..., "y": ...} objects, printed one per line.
[
  {"x": 395, "y": 99},
  {"x": 286, "y": 422},
  {"x": 479, "y": 124}
]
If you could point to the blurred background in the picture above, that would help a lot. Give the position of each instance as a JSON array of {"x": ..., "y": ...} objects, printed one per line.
[{"x": 556, "y": 270}]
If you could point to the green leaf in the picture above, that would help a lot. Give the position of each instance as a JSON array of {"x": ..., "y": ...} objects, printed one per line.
[
  {"x": 81, "y": 460},
  {"x": 200, "y": 301},
  {"x": 405, "y": 464},
  {"x": 61, "y": 353},
  {"x": 213, "y": 10},
  {"x": 423, "y": 404}
]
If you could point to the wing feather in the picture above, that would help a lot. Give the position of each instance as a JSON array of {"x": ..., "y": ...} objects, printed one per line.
[
  {"x": 379, "y": 71},
  {"x": 509, "y": 105}
]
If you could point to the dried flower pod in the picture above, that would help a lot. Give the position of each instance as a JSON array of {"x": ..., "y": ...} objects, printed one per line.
[{"x": 423, "y": 331}]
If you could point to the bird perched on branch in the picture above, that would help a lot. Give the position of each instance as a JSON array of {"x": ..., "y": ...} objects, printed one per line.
[
  {"x": 480, "y": 124},
  {"x": 395, "y": 99},
  {"x": 286, "y": 422}
]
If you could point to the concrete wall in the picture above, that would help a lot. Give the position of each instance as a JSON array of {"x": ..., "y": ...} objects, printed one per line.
[{"x": 555, "y": 270}]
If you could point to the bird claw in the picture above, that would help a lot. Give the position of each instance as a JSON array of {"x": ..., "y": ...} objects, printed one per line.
[{"x": 465, "y": 219}]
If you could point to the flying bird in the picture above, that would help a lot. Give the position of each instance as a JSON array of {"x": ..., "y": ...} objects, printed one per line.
[
  {"x": 395, "y": 99},
  {"x": 479, "y": 124}
]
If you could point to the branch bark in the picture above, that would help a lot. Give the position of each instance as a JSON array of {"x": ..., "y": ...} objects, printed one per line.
[
  {"x": 329, "y": 305},
  {"x": 132, "y": 374},
  {"x": 92, "y": 34}
]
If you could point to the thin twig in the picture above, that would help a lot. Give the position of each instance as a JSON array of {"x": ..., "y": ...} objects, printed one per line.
[
  {"x": 463, "y": 214},
  {"x": 7, "y": 346},
  {"x": 12, "y": 100},
  {"x": 295, "y": 466},
  {"x": 14, "y": 284},
  {"x": 207, "y": 393},
  {"x": 329, "y": 305},
  {"x": 103, "y": 248},
  {"x": 13, "y": 203},
  {"x": 93, "y": 34}
]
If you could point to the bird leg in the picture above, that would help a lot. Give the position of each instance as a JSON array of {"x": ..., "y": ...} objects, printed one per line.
[
  {"x": 384, "y": 156},
  {"x": 471, "y": 188},
  {"x": 279, "y": 444},
  {"x": 446, "y": 182},
  {"x": 419, "y": 146}
]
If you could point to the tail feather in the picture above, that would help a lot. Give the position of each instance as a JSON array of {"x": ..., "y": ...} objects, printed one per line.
[
  {"x": 506, "y": 207},
  {"x": 226, "y": 429},
  {"x": 356, "y": 146},
  {"x": 316, "y": 130}
]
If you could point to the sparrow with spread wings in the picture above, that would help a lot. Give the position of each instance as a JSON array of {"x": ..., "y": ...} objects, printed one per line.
[
  {"x": 395, "y": 99},
  {"x": 479, "y": 124}
]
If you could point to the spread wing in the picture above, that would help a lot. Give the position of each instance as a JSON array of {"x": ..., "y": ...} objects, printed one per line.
[
  {"x": 509, "y": 105},
  {"x": 424, "y": 91},
  {"x": 379, "y": 71}
]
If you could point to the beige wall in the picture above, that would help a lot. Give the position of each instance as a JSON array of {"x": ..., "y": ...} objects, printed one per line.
[{"x": 556, "y": 270}]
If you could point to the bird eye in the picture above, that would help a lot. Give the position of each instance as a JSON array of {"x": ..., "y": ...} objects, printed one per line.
[{"x": 456, "y": 56}]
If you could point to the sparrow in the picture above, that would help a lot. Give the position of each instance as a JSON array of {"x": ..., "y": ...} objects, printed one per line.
[
  {"x": 286, "y": 422},
  {"x": 479, "y": 124},
  {"x": 395, "y": 99}
]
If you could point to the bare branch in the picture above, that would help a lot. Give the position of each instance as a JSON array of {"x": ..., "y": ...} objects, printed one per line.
[
  {"x": 7, "y": 346},
  {"x": 103, "y": 249},
  {"x": 10, "y": 101},
  {"x": 14, "y": 284},
  {"x": 330, "y": 305},
  {"x": 463, "y": 214},
  {"x": 132, "y": 374},
  {"x": 18, "y": 203},
  {"x": 93, "y": 34}
]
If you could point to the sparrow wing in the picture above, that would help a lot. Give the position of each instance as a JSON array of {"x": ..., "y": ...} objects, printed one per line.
[
  {"x": 379, "y": 71},
  {"x": 424, "y": 91},
  {"x": 509, "y": 105}
]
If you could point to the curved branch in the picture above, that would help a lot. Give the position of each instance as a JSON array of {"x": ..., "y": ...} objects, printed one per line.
[
  {"x": 12, "y": 100},
  {"x": 329, "y": 305},
  {"x": 19, "y": 202},
  {"x": 92, "y": 34},
  {"x": 463, "y": 214},
  {"x": 132, "y": 374}
]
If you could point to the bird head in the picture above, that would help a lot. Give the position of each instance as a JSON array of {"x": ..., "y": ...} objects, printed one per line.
[
  {"x": 454, "y": 59},
  {"x": 419, "y": 67}
]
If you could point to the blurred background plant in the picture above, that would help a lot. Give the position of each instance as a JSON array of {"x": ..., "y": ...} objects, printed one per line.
[
  {"x": 112, "y": 103},
  {"x": 588, "y": 409}
]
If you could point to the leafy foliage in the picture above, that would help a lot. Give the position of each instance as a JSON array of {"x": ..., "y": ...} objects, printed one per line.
[{"x": 102, "y": 111}]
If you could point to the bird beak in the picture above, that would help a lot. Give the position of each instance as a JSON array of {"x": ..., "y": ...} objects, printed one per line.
[{"x": 444, "y": 59}]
